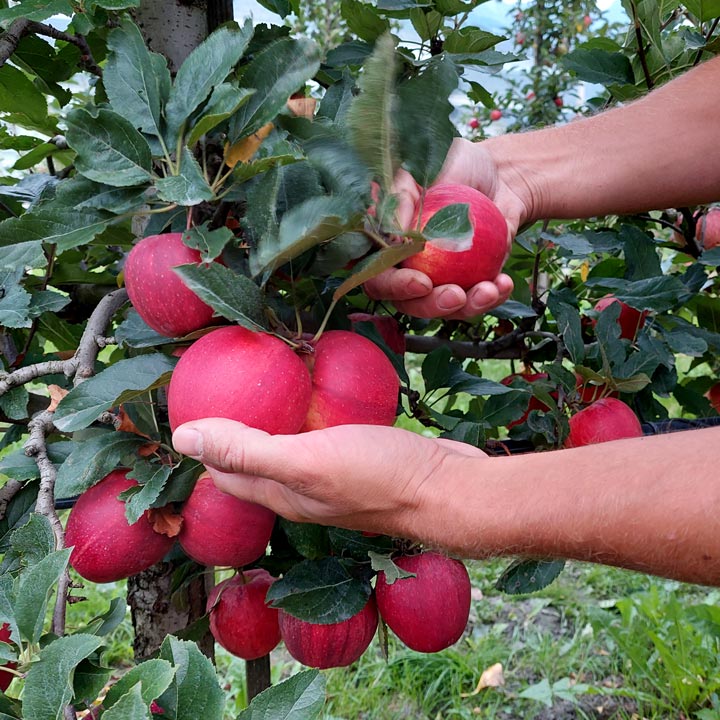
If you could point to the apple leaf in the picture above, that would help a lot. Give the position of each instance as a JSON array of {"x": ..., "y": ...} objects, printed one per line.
[
  {"x": 194, "y": 692},
  {"x": 450, "y": 223},
  {"x": 422, "y": 116},
  {"x": 230, "y": 294},
  {"x": 599, "y": 66},
  {"x": 109, "y": 148},
  {"x": 92, "y": 459},
  {"x": 657, "y": 294},
  {"x": 526, "y": 576},
  {"x": 370, "y": 118},
  {"x": 276, "y": 72},
  {"x": 503, "y": 409},
  {"x": 136, "y": 80},
  {"x": 152, "y": 479},
  {"x": 182, "y": 481},
  {"x": 15, "y": 300},
  {"x": 203, "y": 70},
  {"x": 151, "y": 677},
  {"x": 210, "y": 243},
  {"x": 310, "y": 540},
  {"x": 353, "y": 544},
  {"x": 37, "y": 10},
  {"x": 118, "y": 383},
  {"x": 134, "y": 332},
  {"x": 225, "y": 100},
  {"x": 382, "y": 563},
  {"x": 300, "y": 697},
  {"x": 34, "y": 540},
  {"x": 19, "y": 466},
  {"x": 567, "y": 318},
  {"x": 130, "y": 705},
  {"x": 28, "y": 255},
  {"x": 189, "y": 187},
  {"x": 48, "y": 684},
  {"x": 320, "y": 591}
]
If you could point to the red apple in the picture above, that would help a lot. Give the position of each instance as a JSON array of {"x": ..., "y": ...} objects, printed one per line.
[
  {"x": 520, "y": 38},
  {"x": 606, "y": 419},
  {"x": 530, "y": 96},
  {"x": 707, "y": 230},
  {"x": 251, "y": 377},
  {"x": 334, "y": 645},
  {"x": 220, "y": 529},
  {"x": 353, "y": 382},
  {"x": 387, "y": 326},
  {"x": 461, "y": 263},
  {"x": 6, "y": 677},
  {"x": 474, "y": 124},
  {"x": 240, "y": 620},
  {"x": 534, "y": 403},
  {"x": 157, "y": 292},
  {"x": 713, "y": 395},
  {"x": 587, "y": 21},
  {"x": 427, "y": 612},
  {"x": 105, "y": 547},
  {"x": 589, "y": 393},
  {"x": 495, "y": 114},
  {"x": 558, "y": 101},
  {"x": 630, "y": 319}
]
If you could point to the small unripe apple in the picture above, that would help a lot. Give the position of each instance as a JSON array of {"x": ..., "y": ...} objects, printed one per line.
[
  {"x": 388, "y": 327},
  {"x": 353, "y": 382},
  {"x": 105, "y": 547},
  {"x": 534, "y": 403},
  {"x": 474, "y": 124},
  {"x": 158, "y": 293},
  {"x": 6, "y": 677},
  {"x": 334, "y": 645},
  {"x": 630, "y": 319},
  {"x": 234, "y": 373},
  {"x": 220, "y": 529},
  {"x": 428, "y": 612},
  {"x": 240, "y": 619},
  {"x": 461, "y": 263},
  {"x": 707, "y": 230},
  {"x": 604, "y": 420},
  {"x": 495, "y": 114},
  {"x": 713, "y": 395}
]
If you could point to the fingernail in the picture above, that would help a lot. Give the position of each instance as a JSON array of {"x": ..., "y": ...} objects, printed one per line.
[
  {"x": 418, "y": 288},
  {"x": 188, "y": 441},
  {"x": 450, "y": 300}
]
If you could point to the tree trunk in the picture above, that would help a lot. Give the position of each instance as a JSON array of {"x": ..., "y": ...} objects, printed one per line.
[{"x": 257, "y": 676}]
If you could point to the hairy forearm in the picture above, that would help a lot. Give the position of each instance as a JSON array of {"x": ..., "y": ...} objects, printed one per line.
[
  {"x": 660, "y": 151},
  {"x": 648, "y": 504}
]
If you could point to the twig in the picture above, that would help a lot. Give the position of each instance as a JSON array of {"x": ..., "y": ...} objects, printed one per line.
[
  {"x": 8, "y": 491},
  {"x": 508, "y": 347},
  {"x": 641, "y": 48},
  {"x": 700, "y": 52},
  {"x": 31, "y": 372}
]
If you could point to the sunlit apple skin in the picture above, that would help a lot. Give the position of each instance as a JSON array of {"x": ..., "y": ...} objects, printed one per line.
[
  {"x": 5, "y": 677},
  {"x": 234, "y": 373},
  {"x": 707, "y": 230},
  {"x": 428, "y": 612},
  {"x": 630, "y": 319},
  {"x": 157, "y": 292},
  {"x": 534, "y": 403},
  {"x": 388, "y": 327},
  {"x": 105, "y": 547},
  {"x": 604, "y": 420},
  {"x": 240, "y": 620},
  {"x": 461, "y": 263},
  {"x": 353, "y": 382},
  {"x": 334, "y": 645},
  {"x": 220, "y": 529}
]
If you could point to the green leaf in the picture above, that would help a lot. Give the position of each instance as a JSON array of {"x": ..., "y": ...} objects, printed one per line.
[
  {"x": 107, "y": 622},
  {"x": 151, "y": 678},
  {"x": 363, "y": 20},
  {"x": 189, "y": 187},
  {"x": 451, "y": 223},
  {"x": 599, "y": 66},
  {"x": 194, "y": 692},
  {"x": 370, "y": 118},
  {"x": 19, "y": 466},
  {"x": 134, "y": 332},
  {"x": 19, "y": 97},
  {"x": 34, "y": 587},
  {"x": 116, "y": 384},
  {"x": 230, "y": 294},
  {"x": 28, "y": 255},
  {"x": 300, "y": 697},
  {"x": 356, "y": 545},
  {"x": 526, "y": 576},
  {"x": 281, "y": 7},
  {"x": 657, "y": 293},
  {"x": 422, "y": 116},
  {"x": 210, "y": 243},
  {"x": 48, "y": 685},
  {"x": 704, "y": 10},
  {"x": 14, "y": 403},
  {"x": 182, "y": 482},
  {"x": 225, "y": 100},
  {"x": 14, "y": 300},
  {"x": 47, "y": 301},
  {"x": 84, "y": 194},
  {"x": 131, "y": 705},
  {"x": 567, "y": 318},
  {"x": 427, "y": 24},
  {"x": 320, "y": 591},
  {"x": 276, "y": 72},
  {"x": 92, "y": 459},
  {"x": 137, "y": 81},
  {"x": 205, "y": 68},
  {"x": 34, "y": 540},
  {"x": 152, "y": 479},
  {"x": 310, "y": 540},
  {"x": 479, "y": 94},
  {"x": 382, "y": 563},
  {"x": 308, "y": 224},
  {"x": 35, "y": 156},
  {"x": 470, "y": 41},
  {"x": 109, "y": 149},
  {"x": 89, "y": 681},
  {"x": 38, "y": 10}
]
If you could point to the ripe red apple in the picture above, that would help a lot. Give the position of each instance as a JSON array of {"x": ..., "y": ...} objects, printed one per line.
[
  {"x": 587, "y": 21},
  {"x": 427, "y": 612},
  {"x": 713, "y": 395},
  {"x": 606, "y": 419},
  {"x": 353, "y": 382},
  {"x": 105, "y": 547},
  {"x": 534, "y": 403},
  {"x": 630, "y": 319},
  {"x": 251, "y": 377},
  {"x": 6, "y": 677},
  {"x": 220, "y": 529},
  {"x": 156, "y": 291},
  {"x": 461, "y": 263},
  {"x": 474, "y": 124},
  {"x": 495, "y": 114},
  {"x": 558, "y": 101},
  {"x": 240, "y": 620},
  {"x": 707, "y": 230},
  {"x": 530, "y": 96},
  {"x": 387, "y": 326},
  {"x": 334, "y": 645}
]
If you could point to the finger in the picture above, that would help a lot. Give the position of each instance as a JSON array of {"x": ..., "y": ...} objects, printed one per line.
[
  {"x": 398, "y": 284},
  {"x": 407, "y": 192},
  {"x": 250, "y": 488},
  {"x": 461, "y": 447},
  {"x": 485, "y": 296},
  {"x": 443, "y": 301}
]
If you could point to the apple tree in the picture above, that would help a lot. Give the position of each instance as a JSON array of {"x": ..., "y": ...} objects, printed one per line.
[{"x": 235, "y": 182}]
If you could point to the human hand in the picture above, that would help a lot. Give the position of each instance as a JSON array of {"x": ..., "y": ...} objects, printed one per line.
[
  {"x": 360, "y": 477},
  {"x": 411, "y": 291}
]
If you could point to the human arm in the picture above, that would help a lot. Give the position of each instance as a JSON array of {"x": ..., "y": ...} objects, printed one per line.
[
  {"x": 660, "y": 151},
  {"x": 649, "y": 504}
]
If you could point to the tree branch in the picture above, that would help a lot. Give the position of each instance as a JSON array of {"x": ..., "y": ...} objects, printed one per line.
[
  {"x": 508, "y": 347},
  {"x": 8, "y": 491}
]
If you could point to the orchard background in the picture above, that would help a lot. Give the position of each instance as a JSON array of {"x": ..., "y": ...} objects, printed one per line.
[{"x": 122, "y": 119}]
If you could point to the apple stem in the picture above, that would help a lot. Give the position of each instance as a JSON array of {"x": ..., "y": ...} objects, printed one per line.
[{"x": 321, "y": 330}]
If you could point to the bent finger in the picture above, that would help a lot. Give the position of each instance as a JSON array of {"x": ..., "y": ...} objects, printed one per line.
[
  {"x": 398, "y": 284},
  {"x": 442, "y": 301}
]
